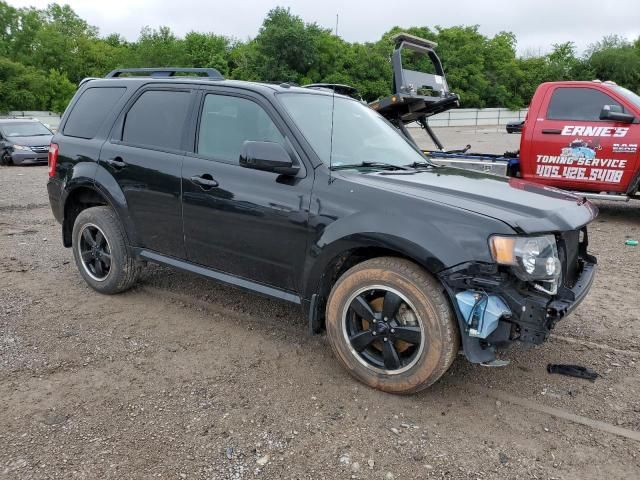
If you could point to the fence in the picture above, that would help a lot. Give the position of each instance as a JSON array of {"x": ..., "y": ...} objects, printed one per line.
[
  {"x": 460, "y": 117},
  {"x": 52, "y": 120},
  {"x": 474, "y": 117}
]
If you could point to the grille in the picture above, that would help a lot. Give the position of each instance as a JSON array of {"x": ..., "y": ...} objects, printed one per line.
[
  {"x": 569, "y": 249},
  {"x": 40, "y": 148}
]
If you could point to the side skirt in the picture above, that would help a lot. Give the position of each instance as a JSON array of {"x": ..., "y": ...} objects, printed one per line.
[{"x": 216, "y": 275}]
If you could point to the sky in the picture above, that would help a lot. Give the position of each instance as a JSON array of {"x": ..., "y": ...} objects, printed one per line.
[{"x": 538, "y": 24}]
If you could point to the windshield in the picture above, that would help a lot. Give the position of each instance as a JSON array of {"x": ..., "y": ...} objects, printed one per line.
[
  {"x": 31, "y": 129},
  {"x": 629, "y": 95},
  {"x": 360, "y": 135}
]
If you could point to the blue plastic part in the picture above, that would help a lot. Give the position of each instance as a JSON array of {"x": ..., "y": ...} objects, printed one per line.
[{"x": 481, "y": 312}]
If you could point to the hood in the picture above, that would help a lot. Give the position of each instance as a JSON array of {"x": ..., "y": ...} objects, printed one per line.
[
  {"x": 526, "y": 207},
  {"x": 36, "y": 140}
]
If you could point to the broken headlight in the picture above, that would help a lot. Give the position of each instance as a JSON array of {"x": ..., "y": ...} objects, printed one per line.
[{"x": 532, "y": 259}]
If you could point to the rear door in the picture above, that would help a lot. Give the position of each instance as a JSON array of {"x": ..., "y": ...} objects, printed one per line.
[
  {"x": 572, "y": 148},
  {"x": 248, "y": 223},
  {"x": 145, "y": 156}
]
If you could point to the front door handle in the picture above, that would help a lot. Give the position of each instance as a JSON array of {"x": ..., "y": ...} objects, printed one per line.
[
  {"x": 551, "y": 131},
  {"x": 116, "y": 162},
  {"x": 205, "y": 181}
]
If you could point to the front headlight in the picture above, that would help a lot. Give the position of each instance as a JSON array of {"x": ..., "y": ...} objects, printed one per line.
[
  {"x": 21, "y": 147},
  {"x": 531, "y": 258}
]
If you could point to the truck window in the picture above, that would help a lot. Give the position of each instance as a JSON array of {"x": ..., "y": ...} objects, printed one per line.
[
  {"x": 227, "y": 122},
  {"x": 575, "y": 103},
  {"x": 90, "y": 110},
  {"x": 157, "y": 119}
]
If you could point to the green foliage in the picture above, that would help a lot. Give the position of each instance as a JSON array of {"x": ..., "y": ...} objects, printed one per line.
[{"x": 44, "y": 53}]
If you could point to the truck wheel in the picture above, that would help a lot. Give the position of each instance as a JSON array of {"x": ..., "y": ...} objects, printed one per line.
[
  {"x": 101, "y": 251},
  {"x": 391, "y": 326}
]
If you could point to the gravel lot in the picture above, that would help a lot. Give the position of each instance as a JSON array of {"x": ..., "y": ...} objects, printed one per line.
[{"x": 185, "y": 378}]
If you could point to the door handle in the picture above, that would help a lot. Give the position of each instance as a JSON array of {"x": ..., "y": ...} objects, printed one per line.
[
  {"x": 116, "y": 162},
  {"x": 551, "y": 131},
  {"x": 205, "y": 181}
]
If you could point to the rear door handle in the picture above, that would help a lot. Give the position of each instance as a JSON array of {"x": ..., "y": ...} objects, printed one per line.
[
  {"x": 551, "y": 131},
  {"x": 116, "y": 162},
  {"x": 205, "y": 181}
]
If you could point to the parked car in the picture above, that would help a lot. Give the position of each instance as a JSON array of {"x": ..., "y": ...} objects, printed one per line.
[
  {"x": 515, "y": 127},
  {"x": 23, "y": 141},
  {"x": 313, "y": 198}
]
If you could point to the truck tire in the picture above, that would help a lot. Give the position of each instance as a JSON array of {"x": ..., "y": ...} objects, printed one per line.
[
  {"x": 391, "y": 326},
  {"x": 101, "y": 252}
]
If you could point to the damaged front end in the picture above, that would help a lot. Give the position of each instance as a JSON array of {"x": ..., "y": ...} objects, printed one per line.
[{"x": 535, "y": 282}]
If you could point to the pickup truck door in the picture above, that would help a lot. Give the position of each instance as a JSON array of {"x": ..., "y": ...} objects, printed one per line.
[
  {"x": 240, "y": 221},
  {"x": 570, "y": 147}
]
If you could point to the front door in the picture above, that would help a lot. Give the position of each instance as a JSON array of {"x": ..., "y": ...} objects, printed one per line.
[
  {"x": 574, "y": 149},
  {"x": 245, "y": 222}
]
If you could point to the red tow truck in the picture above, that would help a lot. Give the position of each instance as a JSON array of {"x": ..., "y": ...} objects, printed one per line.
[{"x": 579, "y": 136}]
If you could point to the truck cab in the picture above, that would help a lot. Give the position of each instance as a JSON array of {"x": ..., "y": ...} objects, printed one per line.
[{"x": 583, "y": 136}]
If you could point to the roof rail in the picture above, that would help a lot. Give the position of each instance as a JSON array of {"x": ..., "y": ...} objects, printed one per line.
[{"x": 164, "y": 72}]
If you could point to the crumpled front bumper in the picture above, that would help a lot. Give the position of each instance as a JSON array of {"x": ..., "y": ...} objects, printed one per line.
[{"x": 533, "y": 313}]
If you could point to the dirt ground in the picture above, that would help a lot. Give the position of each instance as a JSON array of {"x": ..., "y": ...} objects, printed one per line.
[{"x": 185, "y": 378}]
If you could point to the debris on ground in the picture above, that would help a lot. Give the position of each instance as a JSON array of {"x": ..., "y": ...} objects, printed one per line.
[{"x": 573, "y": 371}]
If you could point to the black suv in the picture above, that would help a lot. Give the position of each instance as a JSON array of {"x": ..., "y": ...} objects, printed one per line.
[{"x": 312, "y": 197}]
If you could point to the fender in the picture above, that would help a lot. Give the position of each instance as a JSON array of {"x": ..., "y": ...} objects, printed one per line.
[
  {"x": 428, "y": 243},
  {"x": 107, "y": 186}
]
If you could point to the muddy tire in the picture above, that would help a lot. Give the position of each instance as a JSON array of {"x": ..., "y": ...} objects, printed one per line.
[
  {"x": 101, "y": 252},
  {"x": 391, "y": 326}
]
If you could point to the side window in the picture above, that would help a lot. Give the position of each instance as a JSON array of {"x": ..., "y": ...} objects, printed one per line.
[
  {"x": 227, "y": 122},
  {"x": 90, "y": 110},
  {"x": 157, "y": 119},
  {"x": 578, "y": 104}
]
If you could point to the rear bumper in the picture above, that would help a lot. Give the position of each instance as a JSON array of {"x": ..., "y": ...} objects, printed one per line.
[{"x": 54, "y": 189}]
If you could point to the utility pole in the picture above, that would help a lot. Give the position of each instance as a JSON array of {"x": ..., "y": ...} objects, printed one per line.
[{"x": 336, "y": 24}]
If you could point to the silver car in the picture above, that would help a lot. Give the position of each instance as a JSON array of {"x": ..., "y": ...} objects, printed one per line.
[{"x": 23, "y": 141}]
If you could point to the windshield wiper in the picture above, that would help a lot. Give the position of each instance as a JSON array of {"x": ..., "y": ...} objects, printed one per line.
[
  {"x": 422, "y": 165},
  {"x": 371, "y": 164}
]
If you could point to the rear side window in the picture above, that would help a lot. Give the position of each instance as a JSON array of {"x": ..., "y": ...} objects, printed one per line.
[
  {"x": 157, "y": 119},
  {"x": 227, "y": 122},
  {"x": 578, "y": 104},
  {"x": 90, "y": 110}
]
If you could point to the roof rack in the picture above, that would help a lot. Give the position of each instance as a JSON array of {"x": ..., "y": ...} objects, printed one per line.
[{"x": 164, "y": 72}]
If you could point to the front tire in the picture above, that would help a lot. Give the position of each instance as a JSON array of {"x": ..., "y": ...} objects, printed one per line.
[
  {"x": 391, "y": 326},
  {"x": 6, "y": 159},
  {"x": 101, "y": 252}
]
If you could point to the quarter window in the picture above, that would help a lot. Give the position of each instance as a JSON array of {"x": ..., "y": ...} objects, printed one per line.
[
  {"x": 227, "y": 122},
  {"x": 157, "y": 119},
  {"x": 90, "y": 111},
  {"x": 578, "y": 104}
]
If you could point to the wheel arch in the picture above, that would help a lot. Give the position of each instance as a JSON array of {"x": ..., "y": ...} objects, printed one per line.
[
  {"x": 335, "y": 259},
  {"x": 86, "y": 195}
]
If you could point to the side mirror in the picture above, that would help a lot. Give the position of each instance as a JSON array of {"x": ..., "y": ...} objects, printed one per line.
[
  {"x": 267, "y": 156},
  {"x": 615, "y": 113}
]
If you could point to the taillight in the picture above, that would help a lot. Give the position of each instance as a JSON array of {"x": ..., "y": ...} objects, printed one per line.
[{"x": 53, "y": 159}]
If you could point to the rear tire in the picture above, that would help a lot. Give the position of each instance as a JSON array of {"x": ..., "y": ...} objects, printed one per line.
[
  {"x": 101, "y": 253},
  {"x": 408, "y": 305}
]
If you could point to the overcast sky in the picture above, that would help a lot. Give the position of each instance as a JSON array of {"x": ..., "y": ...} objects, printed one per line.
[{"x": 537, "y": 23}]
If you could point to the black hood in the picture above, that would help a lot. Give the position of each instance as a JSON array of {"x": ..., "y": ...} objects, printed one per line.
[{"x": 524, "y": 206}]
